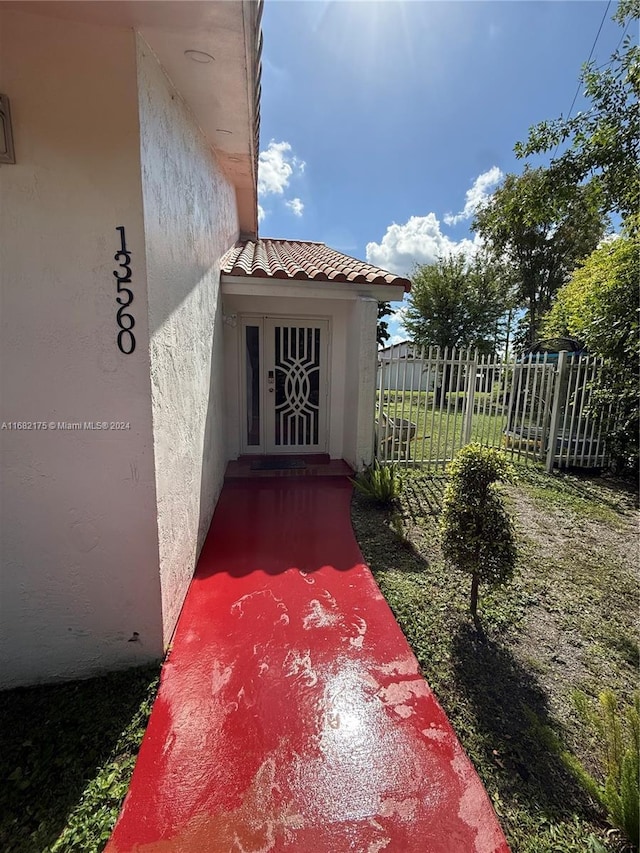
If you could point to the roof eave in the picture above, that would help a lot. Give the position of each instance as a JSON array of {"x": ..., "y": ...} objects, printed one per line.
[
  {"x": 222, "y": 94},
  {"x": 249, "y": 285}
]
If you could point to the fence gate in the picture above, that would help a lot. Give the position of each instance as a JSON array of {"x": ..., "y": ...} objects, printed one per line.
[{"x": 431, "y": 403}]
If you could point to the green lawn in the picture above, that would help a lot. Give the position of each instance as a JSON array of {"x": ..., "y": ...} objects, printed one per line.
[
  {"x": 568, "y": 620},
  {"x": 440, "y": 431},
  {"x": 66, "y": 758}
]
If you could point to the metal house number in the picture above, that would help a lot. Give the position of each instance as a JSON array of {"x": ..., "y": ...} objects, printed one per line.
[{"x": 125, "y": 321}]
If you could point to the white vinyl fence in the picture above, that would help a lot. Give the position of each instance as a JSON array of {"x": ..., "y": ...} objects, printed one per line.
[{"x": 431, "y": 403}]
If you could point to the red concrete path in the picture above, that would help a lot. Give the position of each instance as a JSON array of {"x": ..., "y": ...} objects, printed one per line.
[{"x": 291, "y": 714}]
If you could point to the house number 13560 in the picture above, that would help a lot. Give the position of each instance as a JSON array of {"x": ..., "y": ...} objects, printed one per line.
[{"x": 125, "y": 321}]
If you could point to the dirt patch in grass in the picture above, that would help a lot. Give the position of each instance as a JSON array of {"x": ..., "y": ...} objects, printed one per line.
[
  {"x": 568, "y": 621},
  {"x": 581, "y": 567}
]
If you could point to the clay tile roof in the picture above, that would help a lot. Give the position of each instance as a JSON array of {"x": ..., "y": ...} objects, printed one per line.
[{"x": 302, "y": 261}]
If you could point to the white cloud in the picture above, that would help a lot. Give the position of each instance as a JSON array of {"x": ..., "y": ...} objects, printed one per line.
[
  {"x": 420, "y": 240},
  {"x": 395, "y": 339},
  {"x": 395, "y": 322},
  {"x": 276, "y": 166},
  {"x": 482, "y": 189},
  {"x": 400, "y": 313},
  {"x": 296, "y": 206},
  {"x": 261, "y": 213}
]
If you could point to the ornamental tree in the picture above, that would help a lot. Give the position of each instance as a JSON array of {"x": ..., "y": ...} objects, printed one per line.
[
  {"x": 457, "y": 303},
  {"x": 477, "y": 533},
  {"x": 382, "y": 329}
]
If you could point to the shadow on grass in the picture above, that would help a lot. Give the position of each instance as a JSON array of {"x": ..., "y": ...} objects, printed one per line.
[
  {"x": 54, "y": 739},
  {"x": 423, "y": 495},
  {"x": 384, "y": 548},
  {"x": 613, "y": 492},
  {"x": 609, "y": 484},
  {"x": 510, "y": 712}
]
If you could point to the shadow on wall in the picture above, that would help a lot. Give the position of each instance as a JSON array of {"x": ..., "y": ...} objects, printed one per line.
[{"x": 214, "y": 438}]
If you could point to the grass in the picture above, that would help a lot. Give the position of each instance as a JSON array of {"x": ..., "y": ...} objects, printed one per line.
[
  {"x": 440, "y": 433},
  {"x": 568, "y": 620},
  {"x": 66, "y": 759}
]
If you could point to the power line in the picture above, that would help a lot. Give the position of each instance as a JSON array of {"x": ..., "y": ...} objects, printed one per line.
[
  {"x": 593, "y": 47},
  {"x": 612, "y": 60},
  {"x": 624, "y": 32}
]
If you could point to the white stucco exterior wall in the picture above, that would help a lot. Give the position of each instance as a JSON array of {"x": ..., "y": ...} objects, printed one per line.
[
  {"x": 190, "y": 221},
  {"x": 78, "y": 541},
  {"x": 361, "y": 367}
]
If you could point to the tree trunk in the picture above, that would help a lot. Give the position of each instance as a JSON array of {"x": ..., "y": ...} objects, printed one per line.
[
  {"x": 473, "y": 606},
  {"x": 533, "y": 322},
  {"x": 506, "y": 343},
  {"x": 441, "y": 391}
]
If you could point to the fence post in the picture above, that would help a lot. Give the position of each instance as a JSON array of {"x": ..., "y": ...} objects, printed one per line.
[
  {"x": 556, "y": 410},
  {"x": 469, "y": 395}
]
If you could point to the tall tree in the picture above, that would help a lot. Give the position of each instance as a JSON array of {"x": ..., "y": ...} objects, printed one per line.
[
  {"x": 540, "y": 235},
  {"x": 457, "y": 303},
  {"x": 382, "y": 329},
  {"x": 599, "y": 306},
  {"x": 604, "y": 141}
]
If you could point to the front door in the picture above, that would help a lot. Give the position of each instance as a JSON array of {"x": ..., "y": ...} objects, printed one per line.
[{"x": 286, "y": 385}]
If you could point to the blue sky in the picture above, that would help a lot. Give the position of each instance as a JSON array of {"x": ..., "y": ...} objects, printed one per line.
[{"x": 384, "y": 123}]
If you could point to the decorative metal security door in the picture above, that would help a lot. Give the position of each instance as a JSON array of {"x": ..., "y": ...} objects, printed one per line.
[{"x": 296, "y": 385}]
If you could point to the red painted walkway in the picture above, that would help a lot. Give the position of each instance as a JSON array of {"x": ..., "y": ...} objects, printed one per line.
[{"x": 291, "y": 713}]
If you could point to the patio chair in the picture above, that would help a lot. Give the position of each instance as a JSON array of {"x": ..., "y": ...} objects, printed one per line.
[{"x": 396, "y": 434}]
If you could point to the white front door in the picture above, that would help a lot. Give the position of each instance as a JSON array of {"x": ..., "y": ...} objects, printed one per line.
[{"x": 286, "y": 385}]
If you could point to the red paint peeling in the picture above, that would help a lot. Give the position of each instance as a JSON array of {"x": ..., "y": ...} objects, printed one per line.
[{"x": 291, "y": 714}]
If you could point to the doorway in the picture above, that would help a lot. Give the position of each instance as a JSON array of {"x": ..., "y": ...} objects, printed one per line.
[{"x": 285, "y": 395}]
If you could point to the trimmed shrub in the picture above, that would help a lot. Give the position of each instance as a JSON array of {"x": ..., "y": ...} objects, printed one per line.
[{"x": 476, "y": 530}]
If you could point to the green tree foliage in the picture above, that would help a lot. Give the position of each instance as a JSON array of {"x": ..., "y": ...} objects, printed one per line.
[
  {"x": 382, "y": 329},
  {"x": 477, "y": 532},
  {"x": 618, "y": 739},
  {"x": 604, "y": 141},
  {"x": 539, "y": 236},
  {"x": 457, "y": 303},
  {"x": 599, "y": 306}
]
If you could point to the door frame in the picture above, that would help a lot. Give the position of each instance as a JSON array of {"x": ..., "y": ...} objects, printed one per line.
[{"x": 250, "y": 319}]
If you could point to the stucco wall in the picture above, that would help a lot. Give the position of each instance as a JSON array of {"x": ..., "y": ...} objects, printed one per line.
[
  {"x": 361, "y": 373},
  {"x": 190, "y": 221},
  {"x": 79, "y": 542}
]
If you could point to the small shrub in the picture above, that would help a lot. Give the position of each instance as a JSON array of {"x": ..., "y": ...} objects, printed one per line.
[
  {"x": 619, "y": 742},
  {"x": 379, "y": 483},
  {"x": 476, "y": 530}
]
